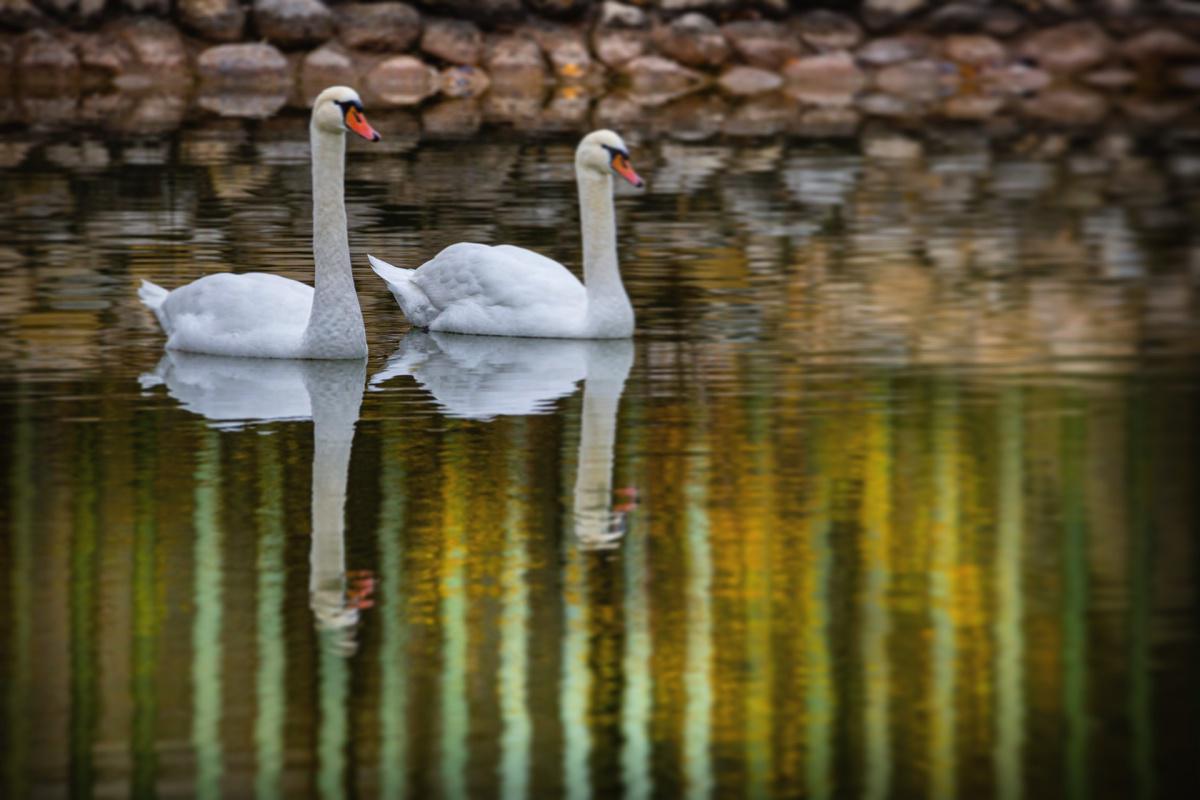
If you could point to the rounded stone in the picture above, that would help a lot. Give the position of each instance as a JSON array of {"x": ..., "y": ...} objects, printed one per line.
[
  {"x": 452, "y": 40},
  {"x": 216, "y": 20},
  {"x": 622, "y": 15},
  {"x": 328, "y": 65},
  {"x": 44, "y": 56},
  {"x": 1109, "y": 78},
  {"x": 563, "y": 45},
  {"x": 922, "y": 80},
  {"x": 1067, "y": 105},
  {"x": 463, "y": 81},
  {"x": 252, "y": 66},
  {"x": 764, "y": 115},
  {"x": 618, "y": 47},
  {"x": 1014, "y": 79},
  {"x": 243, "y": 105},
  {"x": 692, "y": 39},
  {"x": 654, "y": 76},
  {"x": 1159, "y": 44},
  {"x": 515, "y": 61},
  {"x": 762, "y": 43},
  {"x": 742, "y": 81},
  {"x": 382, "y": 27},
  {"x": 882, "y": 104},
  {"x": 828, "y": 79},
  {"x": 826, "y": 31},
  {"x": 1071, "y": 47},
  {"x": 570, "y": 59},
  {"x": 974, "y": 49},
  {"x": 293, "y": 23},
  {"x": 894, "y": 49},
  {"x": 401, "y": 81},
  {"x": 826, "y": 123},
  {"x": 105, "y": 54},
  {"x": 972, "y": 106},
  {"x": 157, "y": 45}
]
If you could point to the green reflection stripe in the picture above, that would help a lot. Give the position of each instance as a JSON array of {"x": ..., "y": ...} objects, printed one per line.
[
  {"x": 819, "y": 698},
  {"x": 146, "y": 614},
  {"x": 393, "y": 655},
  {"x": 514, "y": 626},
  {"x": 1142, "y": 541},
  {"x": 943, "y": 563},
  {"x": 1009, "y": 619},
  {"x": 575, "y": 684},
  {"x": 455, "y": 708},
  {"x": 206, "y": 627},
  {"x": 334, "y": 690},
  {"x": 271, "y": 678},
  {"x": 876, "y": 622},
  {"x": 1075, "y": 598},
  {"x": 84, "y": 702},
  {"x": 23, "y": 501},
  {"x": 635, "y": 706},
  {"x": 698, "y": 670},
  {"x": 760, "y": 716}
]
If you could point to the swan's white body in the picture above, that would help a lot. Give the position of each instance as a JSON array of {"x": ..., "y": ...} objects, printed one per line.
[
  {"x": 260, "y": 315},
  {"x": 510, "y": 291}
]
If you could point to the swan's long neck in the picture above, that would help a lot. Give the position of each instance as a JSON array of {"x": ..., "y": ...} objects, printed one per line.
[
  {"x": 609, "y": 312},
  {"x": 335, "y": 324}
]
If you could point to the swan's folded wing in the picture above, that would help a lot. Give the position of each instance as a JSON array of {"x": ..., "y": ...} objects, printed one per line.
[
  {"x": 252, "y": 314},
  {"x": 504, "y": 276}
]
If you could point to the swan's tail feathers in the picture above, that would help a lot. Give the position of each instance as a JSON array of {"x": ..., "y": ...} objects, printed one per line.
[
  {"x": 386, "y": 271},
  {"x": 412, "y": 299},
  {"x": 153, "y": 296}
]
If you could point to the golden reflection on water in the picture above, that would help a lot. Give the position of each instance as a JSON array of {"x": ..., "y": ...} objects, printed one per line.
[
  {"x": 841, "y": 522},
  {"x": 812, "y": 596}
]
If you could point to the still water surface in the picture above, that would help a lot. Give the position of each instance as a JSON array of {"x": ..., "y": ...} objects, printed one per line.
[{"x": 892, "y": 496}]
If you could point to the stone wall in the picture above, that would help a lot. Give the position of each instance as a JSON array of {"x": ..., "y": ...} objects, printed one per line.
[{"x": 1062, "y": 61}]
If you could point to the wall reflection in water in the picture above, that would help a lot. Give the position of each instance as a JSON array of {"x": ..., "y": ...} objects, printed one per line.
[
  {"x": 891, "y": 497},
  {"x": 867, "y": 582}
]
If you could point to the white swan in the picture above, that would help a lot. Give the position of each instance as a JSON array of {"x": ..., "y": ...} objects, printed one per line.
[
  {"x": 484, "y": 377},
  {"x": 268, "y": 316},
  {"x": 511, "y": 291}
]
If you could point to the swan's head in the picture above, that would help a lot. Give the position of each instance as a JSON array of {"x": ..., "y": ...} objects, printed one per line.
[
  {"x": 339, "y": 109},
  {"x": 605, "y": 152}
]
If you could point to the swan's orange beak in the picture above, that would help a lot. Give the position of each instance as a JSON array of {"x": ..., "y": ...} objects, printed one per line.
[
  {"x": 356, "y": 121},
  {"x": 621, "y": 166}
]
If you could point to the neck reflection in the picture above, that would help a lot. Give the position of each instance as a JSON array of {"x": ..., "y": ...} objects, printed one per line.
[{"x": 233, "y": 393}]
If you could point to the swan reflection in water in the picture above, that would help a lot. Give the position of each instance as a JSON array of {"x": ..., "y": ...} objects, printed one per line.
[
  {"x": 234, "y": 393},
  {"x": 483, "y": 377}
]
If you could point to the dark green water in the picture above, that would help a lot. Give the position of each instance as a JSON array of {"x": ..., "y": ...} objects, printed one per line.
[{"x": 891, "y": 496}]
